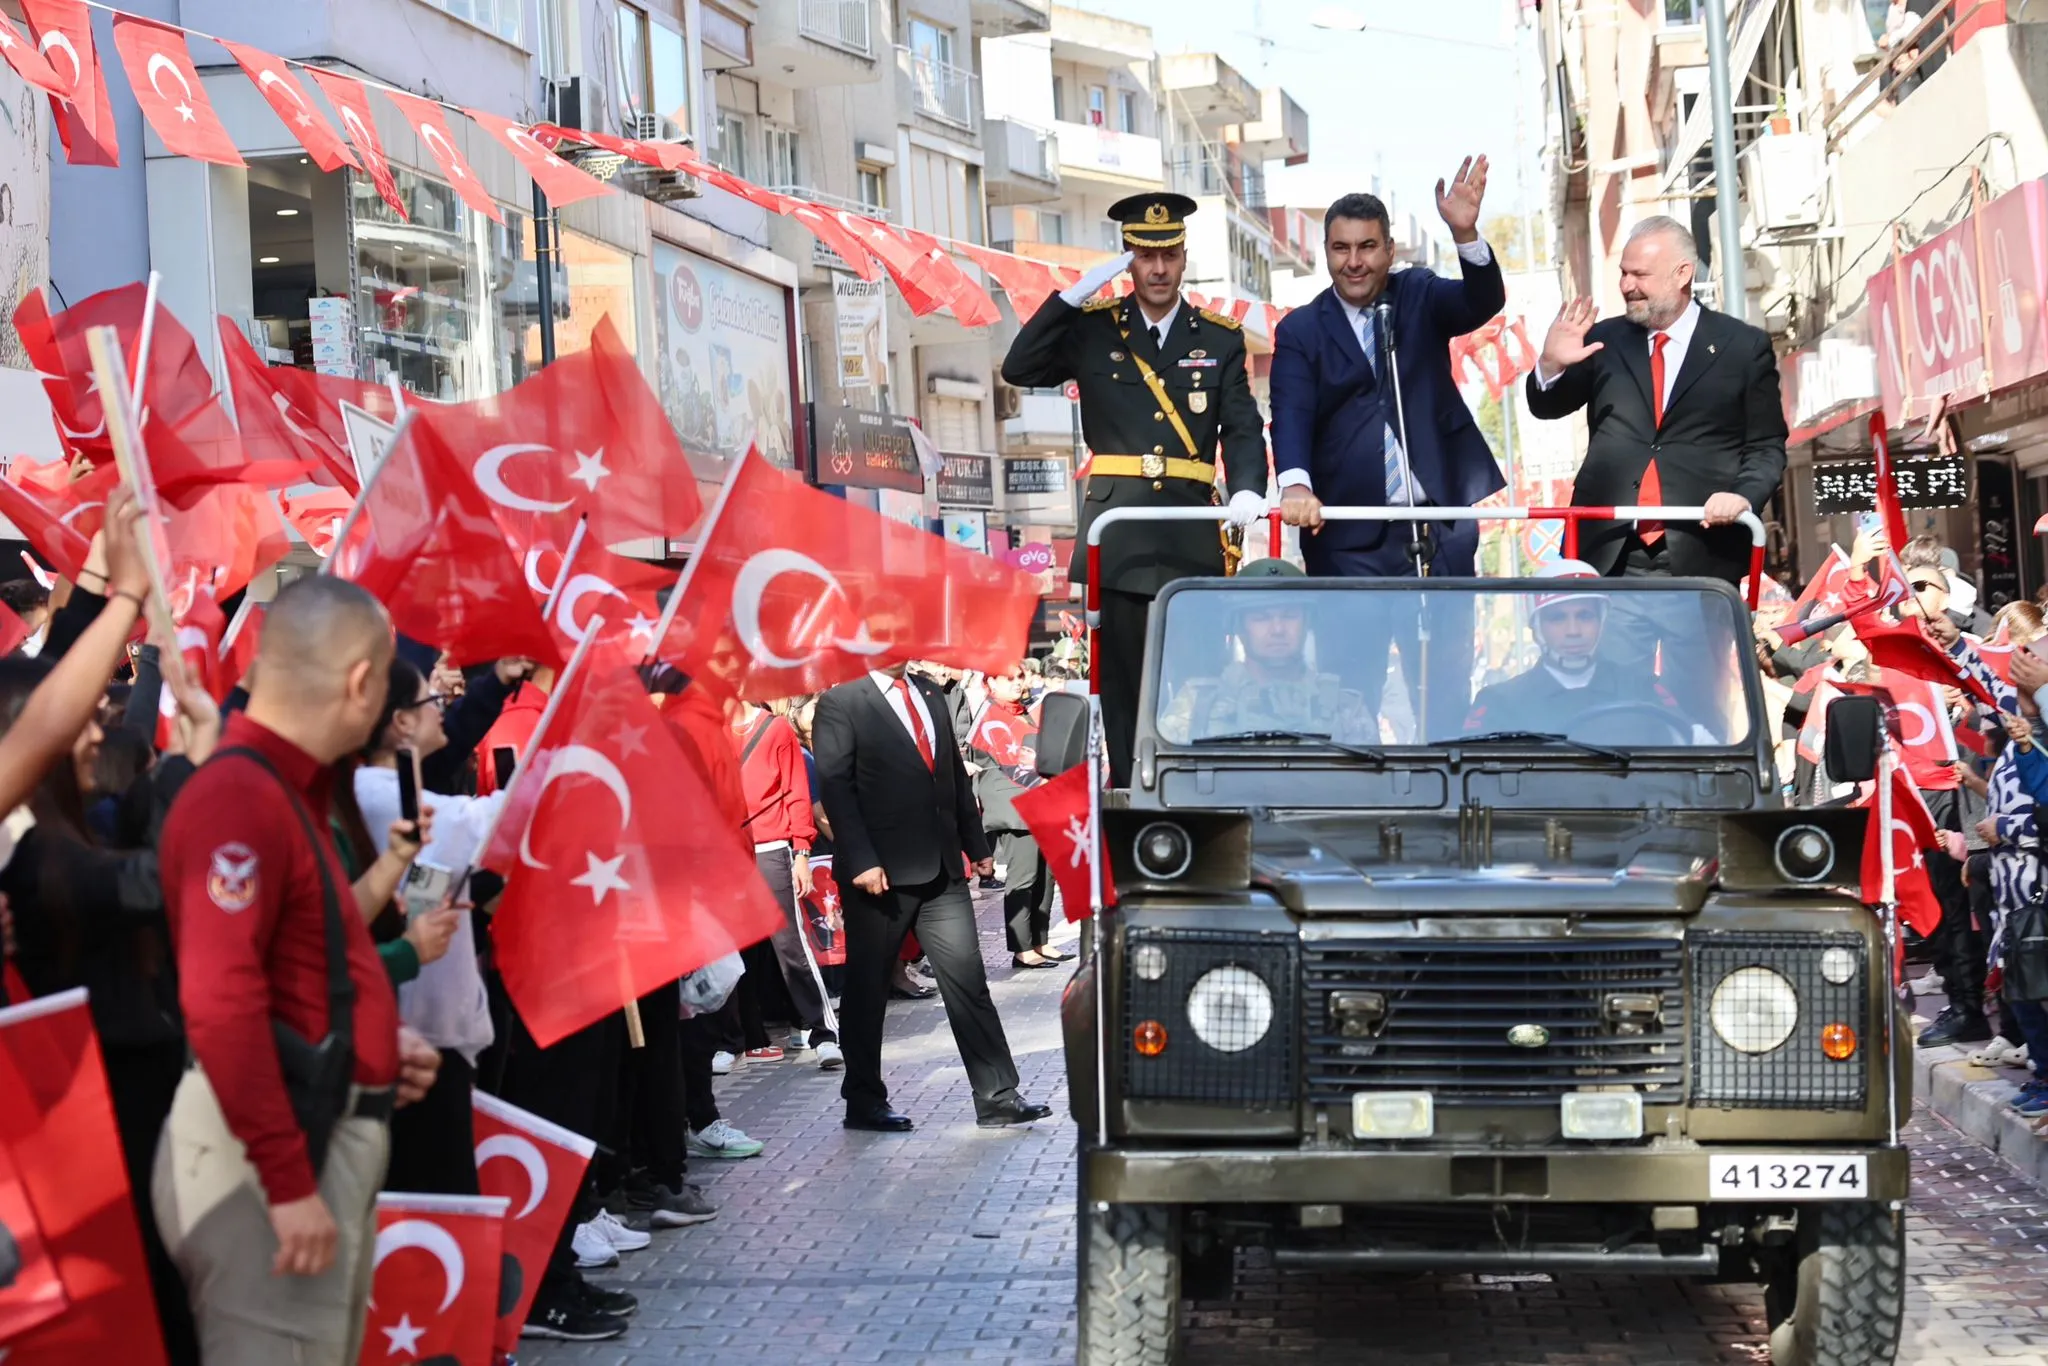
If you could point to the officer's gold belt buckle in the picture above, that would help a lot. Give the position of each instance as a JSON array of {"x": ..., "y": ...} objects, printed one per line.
[{"x": 1152, "y": 466}]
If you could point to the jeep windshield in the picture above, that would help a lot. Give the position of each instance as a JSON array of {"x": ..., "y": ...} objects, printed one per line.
[{"x": 1581, "y": 668}]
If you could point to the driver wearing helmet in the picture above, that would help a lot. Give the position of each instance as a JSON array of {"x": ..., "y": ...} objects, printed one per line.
[
  {"x": 1274, "y": 688},
  {"x": 1569, "y": 679}
]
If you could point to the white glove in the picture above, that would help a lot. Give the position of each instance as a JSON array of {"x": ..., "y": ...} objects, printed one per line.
[
  {"x": 1246, "y": 507},
  {"x": 1089, "y": 285}
]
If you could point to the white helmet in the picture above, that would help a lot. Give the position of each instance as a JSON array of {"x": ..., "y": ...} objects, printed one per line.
[{"x": 1570, "y": 570}]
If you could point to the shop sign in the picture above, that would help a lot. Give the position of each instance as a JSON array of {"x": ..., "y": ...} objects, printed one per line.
[
  {"x": 861, "y": 315},
  {"x": 1831, "y": 381},
  {"x": 1035, "y": 558},
  {"x": 968, "y": 481},
  {"x": 1998, "y": 540},
  {"x": 864, "y": 449},
  {"x": 1851, "y": 485},
  {"x": 1032, "y": 476},
  {"x": 1960, "y": 316},
  {"x": 722, "y": 358},
  {"x": 968, "y": 530}
]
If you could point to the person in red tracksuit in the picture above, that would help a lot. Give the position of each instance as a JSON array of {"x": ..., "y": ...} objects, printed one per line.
[{"x": 778, "y": 793}]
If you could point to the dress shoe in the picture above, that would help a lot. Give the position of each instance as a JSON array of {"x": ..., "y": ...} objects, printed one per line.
[
  {"x": 880, "y": 1120},
  {"x": 1031, "y": 964},
  {"x": 1018, "y": 1111}
]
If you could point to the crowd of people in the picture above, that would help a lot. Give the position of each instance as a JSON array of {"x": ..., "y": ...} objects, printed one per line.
[{"x": 260, "y": 870}]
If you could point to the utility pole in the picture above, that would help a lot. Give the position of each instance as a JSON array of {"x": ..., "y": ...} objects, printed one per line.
[
  {"x": 544, "y": 256},
  {"x": 1727, "y": 184}
]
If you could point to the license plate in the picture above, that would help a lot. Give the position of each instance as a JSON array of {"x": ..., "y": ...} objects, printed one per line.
[{"x": 1771, "y": 1177}]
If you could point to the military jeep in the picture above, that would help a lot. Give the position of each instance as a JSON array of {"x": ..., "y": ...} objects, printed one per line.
[{"x": 1459, "y": 926}]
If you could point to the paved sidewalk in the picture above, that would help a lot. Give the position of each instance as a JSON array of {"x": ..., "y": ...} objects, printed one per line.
[{"x": 1976, "y": 1100}]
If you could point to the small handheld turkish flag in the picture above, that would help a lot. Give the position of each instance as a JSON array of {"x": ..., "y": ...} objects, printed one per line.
[
  {"x": 317, "y": 515},
  {"x": 277, "y": 410},
  {"x": 793, "y": 590},
  {"x": 305, "y": 122},
  {"x": 435, "y": 1292},
  {"x": 1057, "y": 815},
  {"x": 1911, "y": 835},
  {"x": 824, "y": 918},
  {"x": 85, "y": 114},
  {"x": 1005, "y": 735},
  {"x": 1889, "y": 509},
  {"x": 53, "y": 524},
  {"x": 172, "y": 96},
  {"x": 57, "y": 1124},
  {"x": 177, "y": 385},
  {"x": 620, "y": 874},
  {"x": 537, "y": 1168},
  {"x": 30, "y": 1291},
  {"x": 623, "y": 594}
]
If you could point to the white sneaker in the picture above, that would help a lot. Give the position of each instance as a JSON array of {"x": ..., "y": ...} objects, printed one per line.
[
  {"x": 1999, "y": 1053},
  {"x": 1927, "y": 984},
  {"x": 830, "y": 1058},
  {"x": 720, "y": 1139},
  {"x": 621, "y": 1238},
  {"x": 721, "y": 1063},
  {"x": 592, "y": 1248},
  {"x": 797, "y": 1042}
]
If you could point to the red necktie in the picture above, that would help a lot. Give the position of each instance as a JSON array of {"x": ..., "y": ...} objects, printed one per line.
[
  {"x": 1651, "y": 492},
  {"x": 924, "y": 741}
]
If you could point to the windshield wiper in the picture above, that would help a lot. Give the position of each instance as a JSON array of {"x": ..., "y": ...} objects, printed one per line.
[
  {"x": 1541, "y": 737},
  {"x": 1306, "y": 737}
]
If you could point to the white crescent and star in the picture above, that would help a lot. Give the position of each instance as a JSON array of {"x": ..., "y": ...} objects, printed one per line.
[
  {"x": 362, "y": 137},
  {"x": 428, "y": 1237},
  {"x": 443, "y": 150},
  {"x": 1926, "y": 719},
  {"x": 67, "y": 518},
  {"x": 580, "y": 761},
  {"x": 580, "y": 587},
  {"x": 54, "y": 41},
  {"x": 751, "y": 584},
  {"x": 158, "y": 62},
  {"x": 522, "y": 1151},
  {"x": 304, "y": 118},
  {"x": 489, "y": 477}
]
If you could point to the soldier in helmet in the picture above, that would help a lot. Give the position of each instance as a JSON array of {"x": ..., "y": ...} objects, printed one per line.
[
  {"x": 1163, "y": 387},
  {"x": 1274, "y": 688}
]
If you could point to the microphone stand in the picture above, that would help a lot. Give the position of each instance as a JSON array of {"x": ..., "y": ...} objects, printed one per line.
[{"x": 1418, "y": 530}]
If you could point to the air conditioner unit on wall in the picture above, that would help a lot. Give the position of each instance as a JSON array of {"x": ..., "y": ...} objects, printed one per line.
[
  {"x": 1786, "y": 175},
  {"x": 1009, "y": 401}
]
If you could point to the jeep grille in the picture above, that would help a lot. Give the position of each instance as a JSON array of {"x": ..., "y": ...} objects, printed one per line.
[{"x": 1451, "y": 1004}]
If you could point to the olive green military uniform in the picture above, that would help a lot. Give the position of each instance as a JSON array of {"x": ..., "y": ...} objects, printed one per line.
[
  {"x": 1236, "y": 700},
  {"x": 1132, "y": 390}
]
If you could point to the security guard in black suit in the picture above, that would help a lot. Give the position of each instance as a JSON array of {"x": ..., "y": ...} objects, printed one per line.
[{"x": 1163, "y": 385}]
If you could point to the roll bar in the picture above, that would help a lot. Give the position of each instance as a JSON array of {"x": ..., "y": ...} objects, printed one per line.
[{"x": 1570, "y": 516}]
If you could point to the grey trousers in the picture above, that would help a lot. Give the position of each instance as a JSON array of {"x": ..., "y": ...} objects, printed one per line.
[{"x": 215, "y": 1221}]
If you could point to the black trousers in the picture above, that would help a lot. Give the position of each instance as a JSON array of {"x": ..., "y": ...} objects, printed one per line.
[
  {"x": 942, "y": 913},
  {"x": 806, "y": 996},
  {"x": 1027, "y": 900},
  {"x": 651, "y": 1090},
  {"x": 698, "y": 1039},
  {"x": 1120, "y": 657},
  {"x": 1959, "y": 949},
  {"x": 141, "y": 1079},
  {"x": 433, "y": 1141}
]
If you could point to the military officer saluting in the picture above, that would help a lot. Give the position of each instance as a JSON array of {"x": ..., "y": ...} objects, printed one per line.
[{"x": 1163, "y": 387}]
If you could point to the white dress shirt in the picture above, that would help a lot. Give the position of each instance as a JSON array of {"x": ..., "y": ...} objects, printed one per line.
[
  {"x": 1680, "y": 332},
  {"x": 1164, "y": 327},
  {"x": 895, "y": 700},
  {"x": 1472, "y": 253}
]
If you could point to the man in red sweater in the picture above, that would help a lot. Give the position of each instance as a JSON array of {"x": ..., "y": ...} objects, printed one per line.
[
  {"x": 779, "y": 823},
  {"x": 275, "y": 1245}
]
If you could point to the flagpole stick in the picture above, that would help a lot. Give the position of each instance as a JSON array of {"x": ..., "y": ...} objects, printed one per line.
[
  {"x": 355, "y": 509},
  {"x": 1888, "y": 898},
  {"x": 675, "y": 595},
  {"x": 1095, "y": 925},
  {"x": 547, "y": 612},
  {"x": 143, "y": 341},
  {"x": 241, "y": 619}
]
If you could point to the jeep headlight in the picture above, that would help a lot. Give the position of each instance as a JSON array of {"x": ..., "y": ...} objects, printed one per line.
[
  {"x": 1754, "y": 1010},
  {"x": 1230, "y": 1008}
]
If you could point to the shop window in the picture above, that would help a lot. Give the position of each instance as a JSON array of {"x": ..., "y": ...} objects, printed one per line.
[
  {"x": 498, "y": 16},
  {"x": 671, "y": 62},
  {"x": 600, "y": 285},
  {"x": 779, "y": 146},
  {"x": 636, "y": 100},
  {"x": 731, "y": 153}
]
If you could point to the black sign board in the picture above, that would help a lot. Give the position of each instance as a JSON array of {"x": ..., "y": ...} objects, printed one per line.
[
  {"x": 1942, "y": 481},
  {"x": 1998, "y": 573},
  {"x": 968, "y": 481},
  {"x": 863, "y": 448},
  {"x": 1028, "y": 475}
]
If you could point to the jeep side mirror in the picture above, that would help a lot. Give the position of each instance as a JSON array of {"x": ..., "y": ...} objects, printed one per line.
[
  {"x": 1062, "y": 733},
  {"x": 1855, "y": 731}
]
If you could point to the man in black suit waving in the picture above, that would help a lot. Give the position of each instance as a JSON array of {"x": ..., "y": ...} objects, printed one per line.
[
  {"x": 903, "y": 814},
  {"x": 1682, "y": 410}
]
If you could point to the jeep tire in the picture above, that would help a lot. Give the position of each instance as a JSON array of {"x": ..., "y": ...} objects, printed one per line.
[
  {"x": 1130, "y": 1285},
  {"x": 1836, "y": 1297}
]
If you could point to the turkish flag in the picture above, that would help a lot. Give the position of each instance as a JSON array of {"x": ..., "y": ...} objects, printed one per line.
[
  {"x": 969, "y": 302},
  {"x": 60, "y": 544},
  {"x": 178, "y": 382},
  {"x": 85, "y": 115},
  {"x": 829, "y": 230},
  {"x": 1912, "y": 834},
  {"x": 824, "y": 916},
  {"x": 426, "y": 120},
  {"x": 30, "y": 1291},
  {"x": 558, "y": 180},
  {"x": 620, "y": 874},
  {"x": 537, "y": 1168},
  {"x": 1028, "y": 283},
  {"x": 13, "y": 631},
  {"x": 1904, "y": 647},
  {"x": 1990, "y": 667},
  {"x": 793, "y": 590},
  {"x": 301, "y": 117},
  {"x": 206, "y": 451},
  {"x": 1823, "y": 592},
  {"x": 271, "y": 425},
  {"x": 57, "y": 1124},
  {"x": 428, "y": 547},
  {"x": 624, "y": 593},
  {"x": 1916, "y": 716},
  {"x": 1005, "y": 734},
  {"x": 317, "y": 516},
  {"x": 1887, "y": 483},
  {"x": 907, "y": 266},
  {"x": 351, "y": 99},
  {"x": 227, "y": 537},
  {"x": 436, "y": 1289},
  {"x": 168, "y": 88},
  {"x": 30, "y": 65},
  {"x": 1056, "y": 814},
  {"x": 584, "y": 437},
  {"x": 201, "y": 627}
]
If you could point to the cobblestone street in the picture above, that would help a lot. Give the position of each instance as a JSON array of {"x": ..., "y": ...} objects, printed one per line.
[{"x": 956, "y": 1244}]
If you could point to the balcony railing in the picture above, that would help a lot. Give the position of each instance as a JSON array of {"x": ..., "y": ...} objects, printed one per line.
[
  {"x": 1898, "y": 73},
  {"x": 1215, "y": 168},
  {"x": 840, "y": 23},
  {"x": 939, "y": 90},
  {"x": 1032, "y": 151},
  {"x": 832, "y": 201}
]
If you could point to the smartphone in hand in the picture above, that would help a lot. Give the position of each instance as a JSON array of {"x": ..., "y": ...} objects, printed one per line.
[
  {"x": 408, "y": 786},
  {"x": 504, "y": 759}
]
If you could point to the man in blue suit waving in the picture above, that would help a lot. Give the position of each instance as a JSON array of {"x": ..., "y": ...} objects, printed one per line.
[{"x": 1336, "y": 431}]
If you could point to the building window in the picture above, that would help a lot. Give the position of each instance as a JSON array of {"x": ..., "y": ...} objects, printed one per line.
[
  {"x": 731, "y": 153},
  {"x": 1052, "y": 227},
  {"x": 670, "y": 59},
  {"x": 1059, "y": 98},
  {"x": 779, "y": 148},
  {"x": 1680, "y": 13},
  {"x": 1112, "y": 235},
  {"x": 874, "y": 190},
  {"x": 931, "y": 43},
  {"x": 497, "y": 16},
  {"x": 636, "y": 100},
  {"x": 1098, "y": 106},
  {"x": 1127, "y": 111}
]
